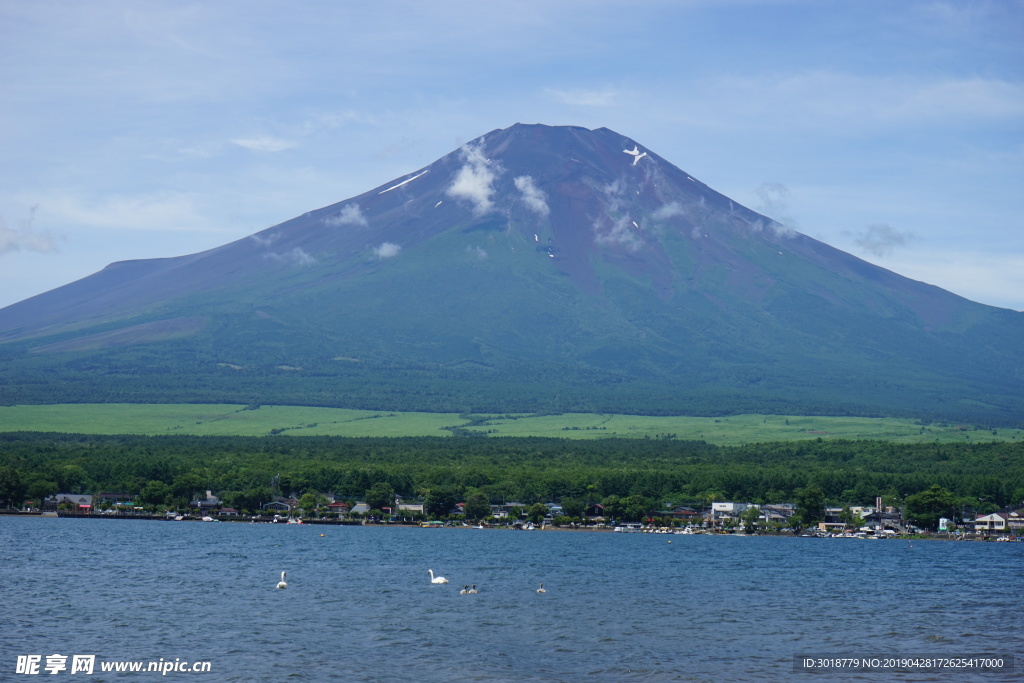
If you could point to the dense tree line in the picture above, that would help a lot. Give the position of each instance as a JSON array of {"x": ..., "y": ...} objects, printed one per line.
[
  {"x": 523, "y": 470},
  {"x": 202, "y": 376}
]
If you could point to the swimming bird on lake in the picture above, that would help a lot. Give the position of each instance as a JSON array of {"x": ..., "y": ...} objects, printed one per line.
[
  {"x": 465, "y": 589},
  {"x": 541, "y": 589},
  {"x": 436, "y": 579},
  {"x": 473, "y": 589},
  {"x": 281, "y": 583}
]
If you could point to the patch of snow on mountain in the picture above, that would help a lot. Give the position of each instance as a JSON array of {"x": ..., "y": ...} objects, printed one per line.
[
  {"x": 407, "y": 180},
  {"x": 636, "y": 154}
]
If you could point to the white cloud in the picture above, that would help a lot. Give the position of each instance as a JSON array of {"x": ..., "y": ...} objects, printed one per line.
[
  {"x": 198, "y": 150},
  {"x": 615, "y": 231},
  {"x": 20, "y": 240},
  {"x": 533, "y": 196},
  {"x": 160, "y": 210},
  {"x": 827, "y": 98},
  {"x": 474, "y": 180},
  {"x": 880, "y": 239},
  {"x": 670, "y": 210},
  {"x": 387, "y": 250},
  {"x": 25, "y": 237},
  {"x": 476, "y": 252},
  {"x": 264, "y": 143},
  {"x": 264, "y": 241},
  {"x": 292, "y": 132},
  {"x": 620, "y": 232},
  {"x": 326, "y": 121},
  {"x": 297, "y": 256},
  {"x": 583, "y": 97},
  {"x": 676, "y": 209},
  {"x": 774, "y": 201},
  {"x": 973, "y": 97},
  {"x": 351, "y": 214}
]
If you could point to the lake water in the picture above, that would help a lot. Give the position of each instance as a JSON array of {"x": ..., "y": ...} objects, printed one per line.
[{"x": 620, "y": 607}]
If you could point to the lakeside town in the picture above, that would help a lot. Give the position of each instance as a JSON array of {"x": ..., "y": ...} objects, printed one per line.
[{"x": 879, "y": 521}]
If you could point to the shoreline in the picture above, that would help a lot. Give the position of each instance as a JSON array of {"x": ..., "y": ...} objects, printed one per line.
[{"x": 587, "y": 529}]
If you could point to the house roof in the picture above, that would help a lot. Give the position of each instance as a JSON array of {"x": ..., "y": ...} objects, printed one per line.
[
  {"x": 992, "y": 517},
  {"x": 78, "y": 498}
]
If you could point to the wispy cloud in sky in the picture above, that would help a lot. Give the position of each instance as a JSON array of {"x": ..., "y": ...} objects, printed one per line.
[
  {"x": 584, "y": 97},
  {"x": 161, "y": 210},
  {"x": 24, "y": 237},
  {"x": 823, "y": 98},
  {"x": 264, "y": 143},
  {"x": 880, "y": 239}
]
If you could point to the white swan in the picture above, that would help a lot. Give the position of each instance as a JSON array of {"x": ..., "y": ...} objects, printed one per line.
[
  {"x": 465, "y": 589},
  {"x": 436, "y": 579},
  {"x": 541, "y": 589},
  {"x": 281, "y": 583},
  {"x": 473, "y": 589}
]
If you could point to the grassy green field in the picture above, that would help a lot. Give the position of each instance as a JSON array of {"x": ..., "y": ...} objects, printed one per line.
[{"x": 236, "y": 420}]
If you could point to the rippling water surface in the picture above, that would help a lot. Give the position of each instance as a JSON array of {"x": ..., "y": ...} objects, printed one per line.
[{"x": 620, "y": 607}]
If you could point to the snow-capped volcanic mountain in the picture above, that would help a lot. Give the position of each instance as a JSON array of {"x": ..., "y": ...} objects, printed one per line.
[{"x": 535, "y": 268}]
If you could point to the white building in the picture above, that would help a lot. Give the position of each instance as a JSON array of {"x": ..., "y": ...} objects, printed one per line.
[{"x": 997, "y": 521}]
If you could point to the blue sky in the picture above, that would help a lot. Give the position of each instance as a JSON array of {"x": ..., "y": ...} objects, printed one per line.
[{"x": 138, "y": 129}]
